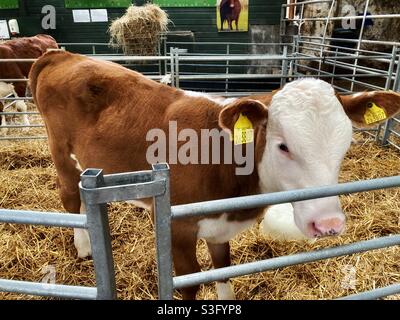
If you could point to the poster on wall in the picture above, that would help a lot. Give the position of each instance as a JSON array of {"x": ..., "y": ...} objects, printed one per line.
[
  {"x": 4, "y": 34},
  {"x": 81, "y": 15},
  {"x": 99, "y": 15},
  {"x": 233, "y": 15}
]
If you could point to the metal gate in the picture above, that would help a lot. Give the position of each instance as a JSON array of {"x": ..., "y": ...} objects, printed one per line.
[
  {"x": 155, "y": 183},
  {"x": 96, "y": 222}
]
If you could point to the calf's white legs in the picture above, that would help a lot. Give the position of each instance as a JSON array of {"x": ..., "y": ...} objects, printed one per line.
[
  {"x": 82, "y": 240},
  {"x": 3, "y": 123},
  {"x": 225, "y": 291},
  {"x": 22, "y": 107}
]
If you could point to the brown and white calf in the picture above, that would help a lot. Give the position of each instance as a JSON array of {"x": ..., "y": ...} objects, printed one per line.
[
  {"x": 98, "y": 114},
  {"x": 7, "y": 90}
]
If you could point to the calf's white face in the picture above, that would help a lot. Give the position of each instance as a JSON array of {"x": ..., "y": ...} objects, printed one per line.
[
  {"x": 308, "y": 134},
  {"x": 308, "y": 131}
]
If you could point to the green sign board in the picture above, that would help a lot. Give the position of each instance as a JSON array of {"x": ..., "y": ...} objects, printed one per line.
[
  {"x": 9, "y": 4},
  {"x": 73, "y": 4},
  {"x": 185, "y": 3}
]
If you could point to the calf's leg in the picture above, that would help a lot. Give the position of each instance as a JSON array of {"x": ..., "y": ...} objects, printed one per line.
[
  {"x": 3, "y": 122},
  {"x": 220, "y": 256},
  {"x": 22, "y": 107},
  {"x": 81, "y": 239},
  {"x": 185, "y": 261},
  {"x": 72, "y": 203}
]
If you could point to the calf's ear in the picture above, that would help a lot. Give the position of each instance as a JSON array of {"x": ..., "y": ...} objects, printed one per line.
[
  {"x": 368, "y": 109},
  {"x": 254, "y": 110}
]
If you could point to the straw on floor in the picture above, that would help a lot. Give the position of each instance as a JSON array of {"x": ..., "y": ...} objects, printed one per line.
[{"x": 27, "y": 181}]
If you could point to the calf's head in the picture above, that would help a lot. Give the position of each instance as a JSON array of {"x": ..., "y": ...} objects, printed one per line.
[{"x": 308, "y": 131}]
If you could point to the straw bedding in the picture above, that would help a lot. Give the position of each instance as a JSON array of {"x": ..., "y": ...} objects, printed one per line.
[{"x": 27, "y": 181}]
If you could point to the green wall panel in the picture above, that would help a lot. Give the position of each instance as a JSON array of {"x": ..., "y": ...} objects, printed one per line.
[
  {"x": 8, "y": 4},
  {"x": 97, "y": 3},
  {"x": 200, "y": 20},
  {"x": 186, "y": 3}
]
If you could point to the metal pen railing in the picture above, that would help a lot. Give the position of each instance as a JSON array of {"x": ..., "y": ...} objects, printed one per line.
[
  {"x": 155, "y": 183},
  {"x": 98, "y": 227}
]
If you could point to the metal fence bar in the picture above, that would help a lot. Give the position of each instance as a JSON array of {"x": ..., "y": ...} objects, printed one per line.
[
  {"x": 372, "y": 16},
  {"x": 128, "y": 178},
  {"x": 374, "y": 294},
  {"x": 379, "y": 42},
  {"x": 48, "y": 290},
  {"x": 162, "y": 213},
  {"x": 99, "y": 232},
  {"x": 397, "y": 134},
  {"x": 97, "y": 223},
  {"x": 359, "y": 40},
  {"x": 267, "y": 57},
  {"x": 16, "y": 99},
  {"x": 18, "y": 113},
  {"x": 305, "y": 2},
  {"x": 23, "y": 138},
  {"x": 331, "y": 46},
  {"x": 284, "y": 71},
  {"x": 14, "y": 80},
  {"x": 285, "y": 261},
  {"x": 262, "y": 200},
  {"x": 18, "y": 60},
  {"x": 394, "y": 145},
  {"x": 52, "y": 219},
  {"x": 19, "y": 126},
  {"x": 119, "y": 193}
]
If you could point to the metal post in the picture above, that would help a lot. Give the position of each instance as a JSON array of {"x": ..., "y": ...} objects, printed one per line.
[
  {"x": 396, "y": 85},
  {"x": 301, "y": 19},
  {"x": 334, "y": 66},
  {"x": 388, "y": 123},
  {"x": 99, "y": 232},
  {"x": 172, "y": 62},
  {"x": 296, "y": 50},
  {"x": 359, "y": 45},
  {"x": 176, "y": 58},
  {"x": 164, "y": 54},
  {"x": 162, "y": 213},
  {"x": 160, "y": 62},
  {"x": 227, "y": 68},
  {"x": 324, "y": 36},
  {"x": 283, "y": 22},
  {"x": 284, "y": 66}
]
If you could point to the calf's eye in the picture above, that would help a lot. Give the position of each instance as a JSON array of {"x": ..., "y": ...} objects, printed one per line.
[{"x": 283, "y": 147}]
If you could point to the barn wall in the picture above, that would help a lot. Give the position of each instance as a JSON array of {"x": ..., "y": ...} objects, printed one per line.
[
  {"x": 201, "y": 21},
  {"x": 382, "y": 29}
]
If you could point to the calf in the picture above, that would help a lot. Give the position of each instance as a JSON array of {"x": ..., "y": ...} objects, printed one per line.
[
  {"x": 99, "y": 115},
  {"x": 7, "y": 91},
  {"x": 23, "y": 48}
]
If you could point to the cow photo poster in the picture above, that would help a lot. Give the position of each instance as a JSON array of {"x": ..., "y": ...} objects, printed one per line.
[{"x": 233, "y": 15}]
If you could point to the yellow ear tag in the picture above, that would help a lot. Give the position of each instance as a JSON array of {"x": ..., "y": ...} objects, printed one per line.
[
  {"x": 374, "y": 113},
  {"x": 243, "y": 130}
]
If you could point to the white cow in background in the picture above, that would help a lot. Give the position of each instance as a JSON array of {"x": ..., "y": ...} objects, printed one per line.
[{"x": 7, "y": 91}]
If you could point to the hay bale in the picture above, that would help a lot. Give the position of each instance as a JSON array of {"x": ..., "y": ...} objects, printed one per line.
[{"x": 137, "y": 32}]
